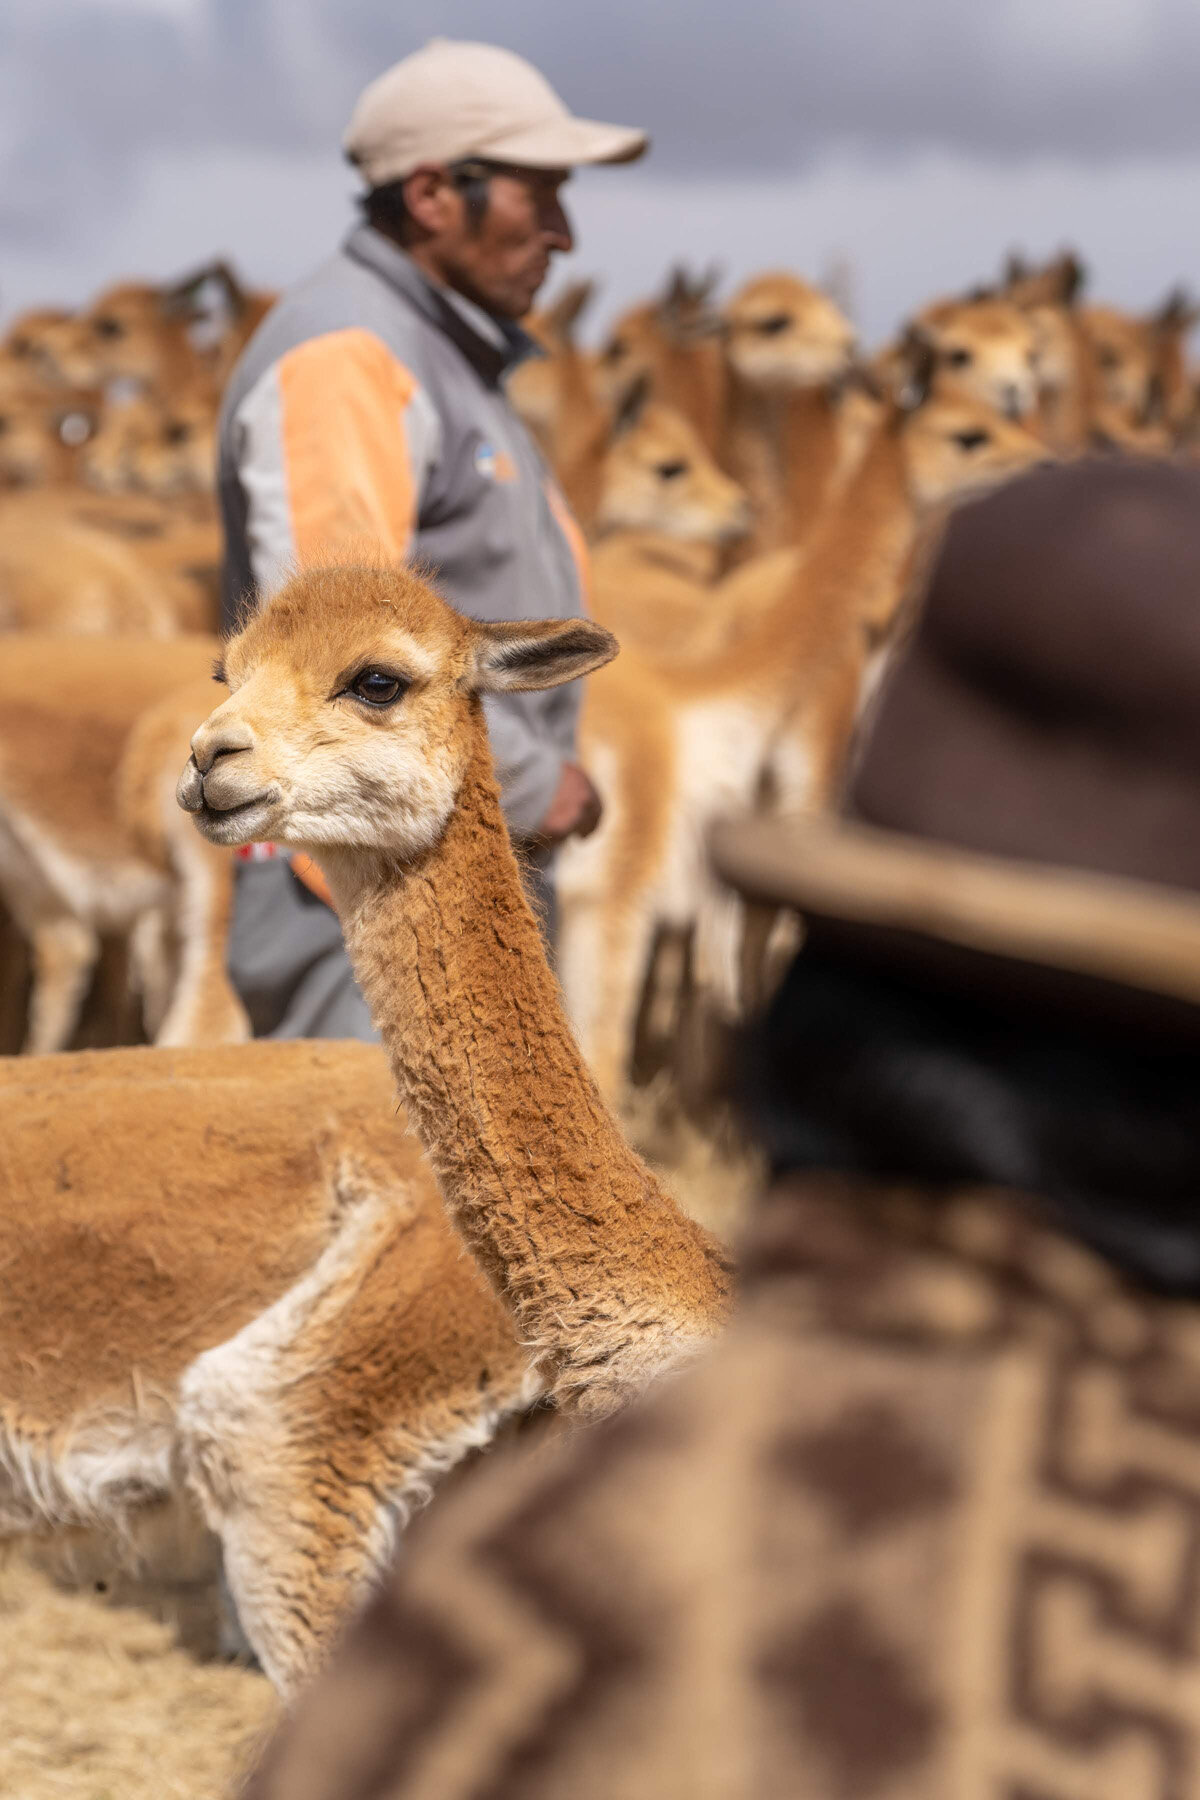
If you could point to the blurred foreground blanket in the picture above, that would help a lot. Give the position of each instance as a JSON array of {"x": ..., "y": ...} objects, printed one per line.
[{"x": 925, "y": 1526}]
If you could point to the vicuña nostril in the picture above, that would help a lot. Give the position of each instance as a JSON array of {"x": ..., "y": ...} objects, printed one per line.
[
  {"x": 189, "y": 790},
  {"x": 206, "y": 752}
]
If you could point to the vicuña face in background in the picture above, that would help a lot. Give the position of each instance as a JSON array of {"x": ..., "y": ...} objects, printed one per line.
[
  {"x": 659, "y": 477},
  {"x": 782, "y": 333},
  {"x": 955, "y": 446},
  {"x": 988, "y": 348}
]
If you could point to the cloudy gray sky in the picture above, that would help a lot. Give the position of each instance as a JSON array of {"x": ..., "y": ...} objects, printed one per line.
[{"x": 917, "y": 139}]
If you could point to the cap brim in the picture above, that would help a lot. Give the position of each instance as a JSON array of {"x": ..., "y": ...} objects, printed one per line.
[
  {"x": 566, "y": 143},
  {"x": 1128, "y": 932}
]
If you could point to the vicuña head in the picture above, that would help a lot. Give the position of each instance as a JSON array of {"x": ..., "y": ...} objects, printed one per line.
[
  {"x": 658, "y": 477},
  {"x": 681, "y": 319},
  {"x": 987, "y": 347},
  {"x": 127, "y": 333},
  {"x": 353, "y": 711},
  {"x": 41, "y": 429},
  {"x": 952, "y": 443},
  {"x": 1138, "y": 363},
  {"x": 956, "y": 445},
  {"x": 782, "y": 333},
  {"x": 355, "y": 729}
]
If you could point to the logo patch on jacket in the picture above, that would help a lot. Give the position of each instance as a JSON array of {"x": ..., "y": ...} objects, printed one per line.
[{"x": 493, "y": 464}]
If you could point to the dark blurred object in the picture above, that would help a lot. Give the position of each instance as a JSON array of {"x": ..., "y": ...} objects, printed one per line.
[
  {"x": 1003, "y": 975},
  {"x": 896, "y": 1072},
  {"x": 1048, "y": 708},
  {"x": 926, "y": 1523}
]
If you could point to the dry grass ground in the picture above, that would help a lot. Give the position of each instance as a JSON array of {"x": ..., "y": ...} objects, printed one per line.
[{"x": 97, "y": 1702}]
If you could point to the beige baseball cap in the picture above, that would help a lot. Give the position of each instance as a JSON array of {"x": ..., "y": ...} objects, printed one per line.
[{"x": 453, "y": 100}]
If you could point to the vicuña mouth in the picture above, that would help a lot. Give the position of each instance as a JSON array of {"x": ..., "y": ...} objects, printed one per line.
[{"x": 238, "y": 824}]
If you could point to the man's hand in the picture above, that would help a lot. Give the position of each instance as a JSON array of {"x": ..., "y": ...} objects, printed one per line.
[{"x": 574, "y": 811}]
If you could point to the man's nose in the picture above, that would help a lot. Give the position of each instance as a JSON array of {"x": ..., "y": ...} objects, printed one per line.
[
  {"x": 220, "y": 737},
  {"x": 557, "y": 227}
]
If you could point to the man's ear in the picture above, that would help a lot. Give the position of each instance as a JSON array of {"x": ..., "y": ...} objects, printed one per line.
[
  {"x": 537, "y": 653},
  {"x": 429, "y": 196}
]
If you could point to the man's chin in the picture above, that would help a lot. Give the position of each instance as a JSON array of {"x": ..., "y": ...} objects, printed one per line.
[{"x": 517, "y": 300}]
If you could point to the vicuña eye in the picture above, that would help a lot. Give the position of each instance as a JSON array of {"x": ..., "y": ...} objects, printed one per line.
[
  {"x": 1107, "y": 357},
  {"x": 971, "y": 440},
  {"x": 377, "y": 687},
  {"x": 671, "y": 471},
  {"x": 614, "y": 351},
  {"x": 774, "y": 325},
  {"x": 958, "y": 359},
  {"x": 108, "y": 328}
]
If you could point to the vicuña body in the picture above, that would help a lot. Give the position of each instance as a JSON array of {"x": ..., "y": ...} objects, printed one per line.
[
  {"x": 231, "y": 1293},
  {"x": 235, "y": 1280},
  {"x": 775, "y": 709},
  {"x": 355, "y": 732},
  {"x": 787, "y": 436},
  {"x": 91, "y": 842}
]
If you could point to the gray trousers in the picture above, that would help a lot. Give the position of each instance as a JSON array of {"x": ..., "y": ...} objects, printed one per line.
[{"x": 288, "y": 963}]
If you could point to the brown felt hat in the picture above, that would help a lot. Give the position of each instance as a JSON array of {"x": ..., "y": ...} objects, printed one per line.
[{"x": 1027, "y": 792}]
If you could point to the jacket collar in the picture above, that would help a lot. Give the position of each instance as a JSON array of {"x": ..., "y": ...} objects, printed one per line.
[{"x": 491, "y": 358}]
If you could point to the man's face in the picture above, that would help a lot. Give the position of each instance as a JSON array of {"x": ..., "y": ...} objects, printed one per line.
[{"x": 501, "y": 260}]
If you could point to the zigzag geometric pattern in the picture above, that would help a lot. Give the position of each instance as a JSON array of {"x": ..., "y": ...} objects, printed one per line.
[{"x": 925, "y": 1526}]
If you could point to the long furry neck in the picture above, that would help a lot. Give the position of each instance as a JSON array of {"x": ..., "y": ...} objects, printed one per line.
[
  {"x": 785, "y": 449},
  {"x": 849, "y": 586},
  {"x": 567, "y": 1222},
  {"x": 811, "y": 457},
  {"x": 866, "y": 540},
  {"x": 692, "y": 561}
]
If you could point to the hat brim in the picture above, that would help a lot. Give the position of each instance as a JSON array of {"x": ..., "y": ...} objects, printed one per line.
[
  {"x": 1127, "y": 932},
  {"x": 566, "y": 144}
]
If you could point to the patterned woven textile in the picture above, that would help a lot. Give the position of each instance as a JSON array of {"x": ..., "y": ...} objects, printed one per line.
[{"x": 925, "y": 1526}]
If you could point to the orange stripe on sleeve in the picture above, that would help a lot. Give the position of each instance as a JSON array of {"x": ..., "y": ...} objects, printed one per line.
[
  {"x": 312, "y": 875},
  {"x": 350, "y": 483},
  {"x": 568, "y": 524}
]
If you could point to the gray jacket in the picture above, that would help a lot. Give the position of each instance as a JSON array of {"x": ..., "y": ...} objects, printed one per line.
[{"x": 368, "y": 413}]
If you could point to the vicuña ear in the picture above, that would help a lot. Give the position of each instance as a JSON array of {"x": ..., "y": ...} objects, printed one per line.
[
  {"x": 632, "y": 405},
  {"x": 537, "y": 653},
  {"x": 919, "y": 362},
  {"x": 562, "y": 314},
  {"x": 1072, "y": 277},
  {"x": 1177, "y": 313}
]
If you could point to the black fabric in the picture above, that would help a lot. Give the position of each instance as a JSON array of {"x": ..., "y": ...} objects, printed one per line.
[
  {"x": 862, "y": 1068},
  {"x": 1047, "y": 709}
]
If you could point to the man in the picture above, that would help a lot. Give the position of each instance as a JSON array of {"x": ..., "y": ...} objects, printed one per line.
[{"x": 367, "y": 419}]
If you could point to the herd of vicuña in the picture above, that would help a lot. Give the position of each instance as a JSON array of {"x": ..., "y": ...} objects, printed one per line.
[{"x": 237, "y": 1284}]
